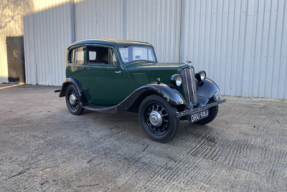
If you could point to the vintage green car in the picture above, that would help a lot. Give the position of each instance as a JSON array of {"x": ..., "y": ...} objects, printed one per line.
[{"x": 113, "y": 76}]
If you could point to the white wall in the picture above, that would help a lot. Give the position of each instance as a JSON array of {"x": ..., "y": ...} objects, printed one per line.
[
  {"x": 48, "y": 33},
  {"x": 98, "y": 19},
  {"x": 157, "y": 22},
  {"x": 242, "y": 44},
  {"x": 153, "y": 21}
]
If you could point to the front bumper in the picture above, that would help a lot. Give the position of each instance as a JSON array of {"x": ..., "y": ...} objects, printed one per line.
[{"x": 199, "y": 109}]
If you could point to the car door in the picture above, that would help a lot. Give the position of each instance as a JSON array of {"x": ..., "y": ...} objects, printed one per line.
[
  {"x": 106, "y": 81},
  {"x": 76, "y": 64}
]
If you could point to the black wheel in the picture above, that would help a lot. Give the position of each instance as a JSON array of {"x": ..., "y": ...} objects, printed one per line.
[
  {"x": 73, "y": 101},
  {"x": 158, "y": 118},
  {"x": 212, "y": 113}
]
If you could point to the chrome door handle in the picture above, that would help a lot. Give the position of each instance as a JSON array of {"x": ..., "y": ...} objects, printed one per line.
[{"x": 118, "y": 72}]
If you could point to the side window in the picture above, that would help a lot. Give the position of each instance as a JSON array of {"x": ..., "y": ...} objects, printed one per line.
[
  {"x": 101, "y": 55},
  {"x": 77, "y": 55},
  {"x": 112, "y": 57}
]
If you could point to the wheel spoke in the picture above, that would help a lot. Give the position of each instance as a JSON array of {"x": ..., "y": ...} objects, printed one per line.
[
  {"x": 76, "y": 105},
  {"x": 162, "y": 128}
]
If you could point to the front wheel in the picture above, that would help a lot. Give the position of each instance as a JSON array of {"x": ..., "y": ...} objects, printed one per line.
[
  {"x": 212, "y": 113},
  {"x": 158, "y": 119}
]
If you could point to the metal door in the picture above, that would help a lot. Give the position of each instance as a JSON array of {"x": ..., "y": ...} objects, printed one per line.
[
  {"x": 105, "y": 84},
  {"x": 15, "y": 58}
]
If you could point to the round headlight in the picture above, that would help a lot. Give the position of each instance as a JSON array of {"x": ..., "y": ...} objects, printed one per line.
[
  {"x": 176, "y": 80},
  {"x": 200, "y": 75}
]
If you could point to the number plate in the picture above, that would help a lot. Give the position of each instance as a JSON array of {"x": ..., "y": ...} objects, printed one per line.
[{"x": 198, "y": 116}]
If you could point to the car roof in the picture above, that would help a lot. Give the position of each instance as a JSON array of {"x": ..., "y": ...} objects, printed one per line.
[{"x": 109, "y": 42}]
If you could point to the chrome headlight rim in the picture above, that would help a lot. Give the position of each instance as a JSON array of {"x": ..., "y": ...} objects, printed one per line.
[
  {"x": 176, "y": 80},
  {"x": 200, "y": 75}
]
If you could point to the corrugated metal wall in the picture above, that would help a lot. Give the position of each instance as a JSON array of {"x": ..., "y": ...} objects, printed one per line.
[
  {"x": 153, "y": 21},
  {"x": 157, "y": 22},
  {"x": 242, "y": 44},
  {"x": 48, "y": 33},
  {"x": 98, "y": 19}
]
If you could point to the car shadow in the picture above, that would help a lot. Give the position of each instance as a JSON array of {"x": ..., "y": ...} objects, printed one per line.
[{"x": 128, "y": 123}]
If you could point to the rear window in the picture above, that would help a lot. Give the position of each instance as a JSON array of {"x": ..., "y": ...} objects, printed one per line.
[{"x": 77, "y": 55}]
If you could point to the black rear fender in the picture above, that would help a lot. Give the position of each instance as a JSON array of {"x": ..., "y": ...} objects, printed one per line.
[{"x": 73, "y": 81}]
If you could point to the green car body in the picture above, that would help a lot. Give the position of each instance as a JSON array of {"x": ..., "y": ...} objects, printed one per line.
[
  {"x": 103, "y": 86},
  {"x": 110, "y": 75}
]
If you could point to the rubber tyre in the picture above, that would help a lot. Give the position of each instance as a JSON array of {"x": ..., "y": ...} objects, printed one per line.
[
  {"x": 75, "y": 110},
  {"x": 173, "y": 121},
  {"x": 212, "y": 113}
]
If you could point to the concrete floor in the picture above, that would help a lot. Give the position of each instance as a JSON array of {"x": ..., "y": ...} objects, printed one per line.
[{"x": 45, "y": 148}]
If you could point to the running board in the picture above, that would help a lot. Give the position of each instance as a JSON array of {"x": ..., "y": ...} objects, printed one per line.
[{"x": 101, "y": 108}]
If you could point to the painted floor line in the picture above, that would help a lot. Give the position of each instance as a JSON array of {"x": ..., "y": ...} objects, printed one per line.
[{"x": 12, "y": 86}]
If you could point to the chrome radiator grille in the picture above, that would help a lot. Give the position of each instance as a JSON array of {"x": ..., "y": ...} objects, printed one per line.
[{"x": 189, "y": 85}]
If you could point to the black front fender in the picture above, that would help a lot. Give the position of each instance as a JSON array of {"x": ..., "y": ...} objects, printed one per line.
[
  {"x": 172, "y": 96},
  {"x": 206, "y": 90}
]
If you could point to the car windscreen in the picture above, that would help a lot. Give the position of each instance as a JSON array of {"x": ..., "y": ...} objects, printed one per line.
[{"x": 131, "y": 53}]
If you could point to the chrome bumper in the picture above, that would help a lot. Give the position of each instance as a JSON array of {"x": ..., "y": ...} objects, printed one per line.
[{"x": 199, "y": 109}]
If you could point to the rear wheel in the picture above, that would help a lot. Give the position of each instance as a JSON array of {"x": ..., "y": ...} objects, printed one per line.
[
  {"x": 158, "y": 118},
  {"x": 212, "y": 113},
  {"x": 73, "y": 100}
]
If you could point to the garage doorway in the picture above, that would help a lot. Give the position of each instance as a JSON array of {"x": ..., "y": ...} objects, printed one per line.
[{"x": 15, "y": 58}]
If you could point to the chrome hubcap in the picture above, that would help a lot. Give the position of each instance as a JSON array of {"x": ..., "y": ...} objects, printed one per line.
[
  {"x": 72, "y": 99},
  {"x": 155, "y": 118}
]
